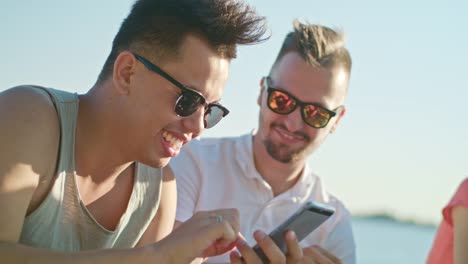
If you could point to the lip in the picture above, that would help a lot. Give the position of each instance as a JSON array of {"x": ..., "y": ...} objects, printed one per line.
[
  {"x": 286, "y": 136},
  {"x": 170, "y": 151}
]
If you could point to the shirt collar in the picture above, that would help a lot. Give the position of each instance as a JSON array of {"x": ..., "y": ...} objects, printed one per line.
[{"x": 245, "y": 158}]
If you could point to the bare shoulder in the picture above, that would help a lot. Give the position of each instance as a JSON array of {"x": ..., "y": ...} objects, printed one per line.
[
  {"x": 29, "y": 141},
  {"x": 168, "y": 174},
  {"x": 28, "y": 100},
  {"x": 29, "y": 122}
]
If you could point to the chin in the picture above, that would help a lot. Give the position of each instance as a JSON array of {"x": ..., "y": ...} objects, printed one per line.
[
  {"x": 156, "y": 162},
  {"x": 162, "y": 162}
]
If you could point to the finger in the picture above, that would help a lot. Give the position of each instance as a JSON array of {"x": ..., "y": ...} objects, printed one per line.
[
  {"x": 225, "y": 244},
  {"x": 294, "y": 253},
  {"x": 327, "y": 254},
  {"x": 248, "y": 254},
  {"x": 270, "y": 249},
  {"x": 203, "y": 218},
  {"x": 230, "y": 215},
  {"x": 312, "y": 253},
  {"x": 220, "y": 235},
  {"x": 235, "y": 258},
  {"x": 241, "y": 236}
]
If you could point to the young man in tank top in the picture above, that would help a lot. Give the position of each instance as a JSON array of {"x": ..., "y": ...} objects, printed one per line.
[{"x": 79, "y": 177}]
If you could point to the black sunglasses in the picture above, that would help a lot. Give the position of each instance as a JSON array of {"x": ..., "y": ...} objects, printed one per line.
[
  {"x": 283, "y": 103},
  {"x": 189, "y": 100}
]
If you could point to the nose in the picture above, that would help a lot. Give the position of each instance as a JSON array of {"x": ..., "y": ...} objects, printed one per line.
[
  {"x": 294, "y": 120},
  {"x": 195, "y": 123}
]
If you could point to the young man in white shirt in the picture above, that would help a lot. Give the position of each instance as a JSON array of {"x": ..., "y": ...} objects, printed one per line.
[{"x": 265, "y": 174}]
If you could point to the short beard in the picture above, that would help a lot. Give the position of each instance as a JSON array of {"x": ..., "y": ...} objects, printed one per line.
[{"x": 280, "y": 153}]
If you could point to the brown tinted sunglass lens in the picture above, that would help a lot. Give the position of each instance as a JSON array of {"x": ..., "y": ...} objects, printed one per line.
[
  {"x": 281, "y": 102},
  {"x": 188, "y": 103},
  {"x": 315, "y": 116}
]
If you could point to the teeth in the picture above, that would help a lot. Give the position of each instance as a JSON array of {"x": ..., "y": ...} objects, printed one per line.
[
  {"x": 173, "y": 140},
  {"x": 286, "y": 136}
]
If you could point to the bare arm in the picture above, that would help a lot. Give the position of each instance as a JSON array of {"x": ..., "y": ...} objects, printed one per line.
[
  {"x": 17, "y": 253},
  {"x": 163, "y": 221},
  {"x": 197, "y": 260},
  {"x": 29, "y": 138},
  {"x": 29, "y": 142},
  {"x": 460, "y": 234}
]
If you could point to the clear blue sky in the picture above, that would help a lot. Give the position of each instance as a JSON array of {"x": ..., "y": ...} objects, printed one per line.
[{"x": 402, "y": 147}]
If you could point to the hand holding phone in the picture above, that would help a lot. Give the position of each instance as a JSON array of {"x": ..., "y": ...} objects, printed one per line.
[{"x": 305, "y": 220}]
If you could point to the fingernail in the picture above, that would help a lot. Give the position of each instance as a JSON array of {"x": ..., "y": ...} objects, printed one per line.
[
  {"x": 291, "y": 235},
  {"x": 234, "y": 254},
  {"x": 241, "y": 242},
  {"x": 261, "y": 235}
]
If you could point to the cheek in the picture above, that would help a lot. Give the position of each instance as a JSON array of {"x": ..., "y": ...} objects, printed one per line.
[
  {"x": 317, "y": 136},
  {"x": 265, "y": 119},
  {"x": 271, "y": 118},
  {"x": 159, "y": 110},
  {"x": 150, "y": 119}
]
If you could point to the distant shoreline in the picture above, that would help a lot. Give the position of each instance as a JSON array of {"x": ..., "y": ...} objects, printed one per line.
[{"x": 384, "y": 216}]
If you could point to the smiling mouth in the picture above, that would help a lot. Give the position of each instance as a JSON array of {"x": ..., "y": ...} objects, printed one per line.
[
  {"x": 288, "y": 136},
  {"x": 173, "y": 141}
]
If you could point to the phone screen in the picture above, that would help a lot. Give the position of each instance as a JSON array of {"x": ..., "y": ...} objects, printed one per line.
[{"x": 303, "y": 222}]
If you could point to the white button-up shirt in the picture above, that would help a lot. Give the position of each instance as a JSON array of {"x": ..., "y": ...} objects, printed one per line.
[{"x": 220, "y": 173}]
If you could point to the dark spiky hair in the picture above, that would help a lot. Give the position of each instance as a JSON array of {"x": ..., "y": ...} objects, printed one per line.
[{"x": 157, "y": 28}]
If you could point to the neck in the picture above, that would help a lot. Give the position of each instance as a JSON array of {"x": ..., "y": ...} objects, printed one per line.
[
  {"x": 98, "y": 150},
  {"x": 280, "y": 176}
]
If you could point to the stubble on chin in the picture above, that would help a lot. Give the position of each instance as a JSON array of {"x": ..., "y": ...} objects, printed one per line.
[{"x": 282, "y": 153}]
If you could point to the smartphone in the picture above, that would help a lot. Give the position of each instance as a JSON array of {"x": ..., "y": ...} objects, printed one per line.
[{"x": 305, "y": 220}]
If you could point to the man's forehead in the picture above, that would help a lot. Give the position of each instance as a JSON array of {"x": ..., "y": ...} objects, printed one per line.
[
  {"x": 312, "y": 77},
  {"x": 200, "y": 68},
  {"x": 340, "y": 76},
  {"x": 293, "y": 63}
]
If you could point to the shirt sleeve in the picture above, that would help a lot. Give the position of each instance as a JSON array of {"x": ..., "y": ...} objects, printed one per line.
[
  {"x": 187, "y": 176},
  {"x": 340, "y": 241},
  {"x": 460, "y": 198}
]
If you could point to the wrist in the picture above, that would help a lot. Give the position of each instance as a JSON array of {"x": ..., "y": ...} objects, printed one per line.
[{"x": 155, "y": 253}]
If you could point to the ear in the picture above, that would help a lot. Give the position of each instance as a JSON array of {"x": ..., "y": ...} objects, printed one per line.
[
  {"x": 262, "y": 88},
  {"x": 341, "y": 113},
  {"x": 124, "y": 69}
]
